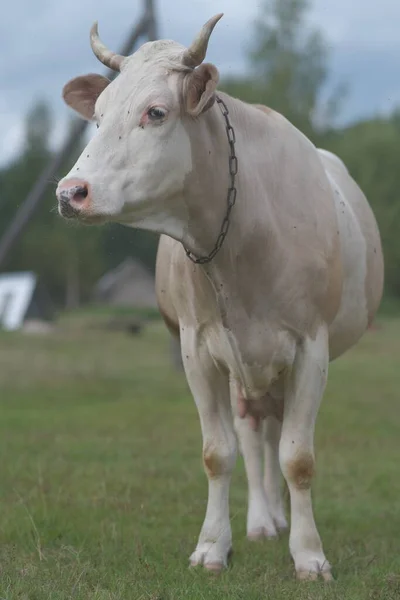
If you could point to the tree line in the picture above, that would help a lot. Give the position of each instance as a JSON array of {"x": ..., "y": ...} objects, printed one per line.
[{"x": 288, "y": 70}]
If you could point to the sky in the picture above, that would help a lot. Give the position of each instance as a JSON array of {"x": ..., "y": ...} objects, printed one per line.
[{"x": 44, "y": 43}]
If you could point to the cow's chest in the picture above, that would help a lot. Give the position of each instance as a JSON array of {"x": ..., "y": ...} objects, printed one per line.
[
  {"x": 254, "y": 357},
  {"x": 218, "y": 325}
]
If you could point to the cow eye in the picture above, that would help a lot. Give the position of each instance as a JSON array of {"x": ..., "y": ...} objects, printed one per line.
[{"x": 156, "y": 113}]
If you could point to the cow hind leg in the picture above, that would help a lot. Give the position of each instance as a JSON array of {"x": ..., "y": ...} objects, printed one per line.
[
  {"x": 210, "y": 389},
  {"x": 304, "y": 388},
  {"x": 272, "y": 473},
  {"x": 260, "y": 523},
  {"x": 260, "y": 451}
]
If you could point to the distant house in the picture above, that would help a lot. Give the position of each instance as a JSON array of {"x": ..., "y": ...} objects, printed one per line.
[
  {"x": 129, "y": 284},
  {"x": 23, "y": 299}
]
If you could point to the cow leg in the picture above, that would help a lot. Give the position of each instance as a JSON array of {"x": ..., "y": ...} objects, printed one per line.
[
  {"x": 210, "y": 389},
  {"x": 304, "y": 387},
  {"x": 272, "y": 472},
  {"x": 259, "y": 520}
]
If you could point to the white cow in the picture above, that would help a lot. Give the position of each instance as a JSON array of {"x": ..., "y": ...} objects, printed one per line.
[{"x": 289, "y": 277}]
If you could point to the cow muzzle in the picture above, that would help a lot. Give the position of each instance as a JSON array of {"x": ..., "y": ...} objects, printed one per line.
[{"x": 74, "y": 198}]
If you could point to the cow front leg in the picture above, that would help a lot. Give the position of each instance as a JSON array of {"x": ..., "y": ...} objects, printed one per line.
[
  {"x": 304, "y": 387},
  {"x": 210, "y": 389}
]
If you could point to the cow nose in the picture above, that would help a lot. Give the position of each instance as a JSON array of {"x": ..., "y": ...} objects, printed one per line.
[{"x": 75, "y": 192}]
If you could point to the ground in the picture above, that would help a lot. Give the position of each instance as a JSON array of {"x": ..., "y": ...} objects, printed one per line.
[{"x": 102, "y": 489}]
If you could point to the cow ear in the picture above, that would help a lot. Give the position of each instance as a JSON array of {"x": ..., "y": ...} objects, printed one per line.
[
  {"x": 200, "y": 89},
  {"x": 82, "y": 92}
]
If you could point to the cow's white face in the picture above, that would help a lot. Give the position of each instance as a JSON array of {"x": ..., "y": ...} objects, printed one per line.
[{"x": 134, "y": 168}]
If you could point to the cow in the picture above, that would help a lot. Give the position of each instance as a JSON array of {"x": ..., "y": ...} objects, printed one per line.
[{"x": 269, "y": 267}]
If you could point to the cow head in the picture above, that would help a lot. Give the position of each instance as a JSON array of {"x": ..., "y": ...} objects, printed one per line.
[{"x": 134, "y": 168}]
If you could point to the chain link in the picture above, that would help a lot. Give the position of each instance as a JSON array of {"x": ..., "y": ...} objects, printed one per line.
[{"x": 232, "y": 191}]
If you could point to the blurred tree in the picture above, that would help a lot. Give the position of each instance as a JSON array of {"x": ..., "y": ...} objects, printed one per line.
[
  {"x": 67, "y": 259},
  {"x": 289, "y": 67},
  {"x": 120, "y": 241},
  {"x": 16, "y": 179},
  {"x": 38, "y": 127}
]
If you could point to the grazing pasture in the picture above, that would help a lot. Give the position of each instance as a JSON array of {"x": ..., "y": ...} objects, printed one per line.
[{"x": 103, "y": 491}]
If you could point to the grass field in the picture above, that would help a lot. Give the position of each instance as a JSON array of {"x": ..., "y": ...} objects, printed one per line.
[{"x": 103, "y": 492}]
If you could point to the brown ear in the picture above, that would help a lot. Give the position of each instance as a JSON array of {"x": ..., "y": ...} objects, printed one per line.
[
  {"x": 200, "y": 89},
  {"x": 82, "y": 92}
]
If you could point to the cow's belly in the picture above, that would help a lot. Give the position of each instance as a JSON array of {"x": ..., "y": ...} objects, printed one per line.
[{"x": 352, "y": 319}]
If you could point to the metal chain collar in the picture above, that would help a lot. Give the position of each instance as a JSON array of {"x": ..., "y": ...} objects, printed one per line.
[{"x": 231, "y": 198}]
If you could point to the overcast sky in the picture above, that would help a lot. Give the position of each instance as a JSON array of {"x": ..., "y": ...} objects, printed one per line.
[{"x": 44, "y": 43}]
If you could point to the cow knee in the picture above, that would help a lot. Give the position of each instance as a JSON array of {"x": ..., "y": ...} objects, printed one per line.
[
  {"x": 218, "y": 459},
  {"x": 298, "y": 468}
]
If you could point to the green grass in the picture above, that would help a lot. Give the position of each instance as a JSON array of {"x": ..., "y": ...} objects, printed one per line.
[
  {"x": 95, "y": 312},
  {"x": 103, "y": 493}
]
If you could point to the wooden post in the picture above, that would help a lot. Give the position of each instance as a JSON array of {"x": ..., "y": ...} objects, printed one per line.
[{"x": 151, "y": 21}]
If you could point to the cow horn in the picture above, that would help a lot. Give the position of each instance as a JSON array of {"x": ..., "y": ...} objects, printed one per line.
[
  {"x": 107, "y": 57},
  {"x": 196, "y": 53}
]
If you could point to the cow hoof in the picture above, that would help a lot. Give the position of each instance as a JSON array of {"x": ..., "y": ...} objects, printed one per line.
[
  {"x": 261, "y": 533},
  {"x": 315, "y": 570},
  {"x": 262, "y": 522},
  {"x": 313, "y": 576},
  {"x": 214, "y": 567},
  {"x": 211, "y": 557}
]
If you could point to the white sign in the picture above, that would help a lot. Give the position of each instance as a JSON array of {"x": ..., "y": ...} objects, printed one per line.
[{"x": 16, "y": 291}]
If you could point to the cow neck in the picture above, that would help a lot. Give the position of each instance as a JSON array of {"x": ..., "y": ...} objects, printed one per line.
[
  {"x": 231, "y": 193},
  {"x": 210, "y": 188},
  {"x": 234, "y": 267}
]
